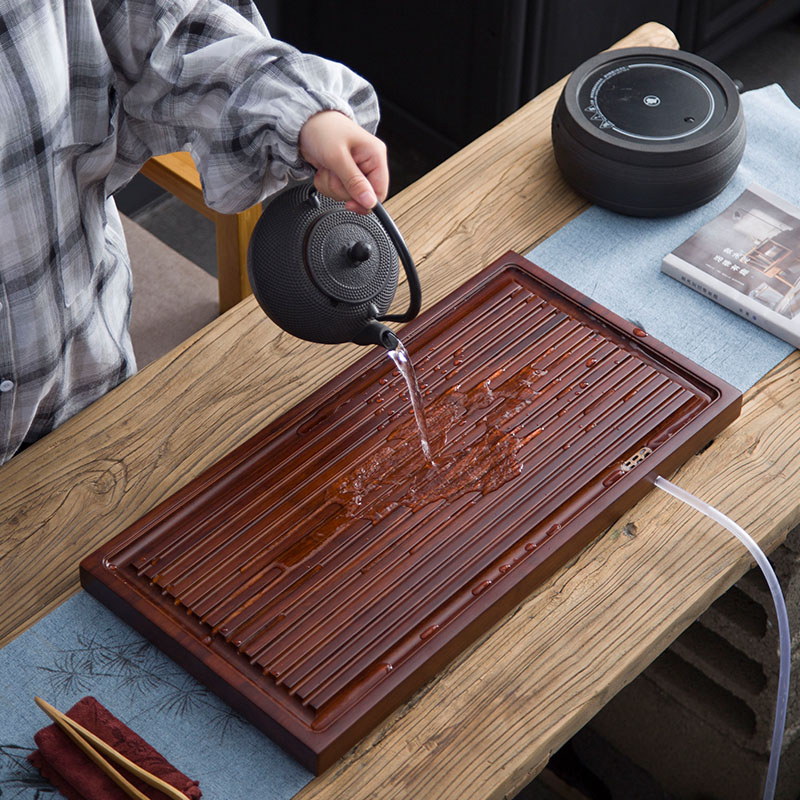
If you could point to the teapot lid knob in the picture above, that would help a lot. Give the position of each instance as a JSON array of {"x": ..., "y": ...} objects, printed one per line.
[{"x": 359, "y": 252}]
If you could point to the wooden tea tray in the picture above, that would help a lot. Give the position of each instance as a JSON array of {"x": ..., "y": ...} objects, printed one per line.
[{"x": 324, "y": 570}]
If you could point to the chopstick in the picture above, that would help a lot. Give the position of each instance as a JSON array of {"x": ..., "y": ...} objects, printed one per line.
[{"x": 95, "y": 748}]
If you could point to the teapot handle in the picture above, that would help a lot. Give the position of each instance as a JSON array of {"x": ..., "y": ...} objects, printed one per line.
[{"x": 414, "y": 288}]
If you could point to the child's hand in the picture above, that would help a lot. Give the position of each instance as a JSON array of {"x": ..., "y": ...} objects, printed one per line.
[{"x": 350, "y": 162}]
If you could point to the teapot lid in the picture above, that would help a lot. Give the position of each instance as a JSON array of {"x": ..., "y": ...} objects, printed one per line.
[{"x": 348, "y": 256}]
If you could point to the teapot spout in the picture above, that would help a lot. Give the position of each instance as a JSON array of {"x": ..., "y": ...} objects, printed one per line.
[{"x": 375, "y": 332}]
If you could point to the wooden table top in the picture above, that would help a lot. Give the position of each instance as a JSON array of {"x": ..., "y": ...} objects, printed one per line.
[{"x": 489, "y": 722}]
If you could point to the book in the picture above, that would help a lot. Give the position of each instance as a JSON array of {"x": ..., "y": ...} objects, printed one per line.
[{"x": 747, "y": 259}]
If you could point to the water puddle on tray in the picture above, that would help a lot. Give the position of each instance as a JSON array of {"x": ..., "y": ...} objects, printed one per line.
[{"x": 460, "y": 443}]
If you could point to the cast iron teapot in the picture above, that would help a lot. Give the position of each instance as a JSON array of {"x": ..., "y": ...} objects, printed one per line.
[{"x": 327, "y": 274}]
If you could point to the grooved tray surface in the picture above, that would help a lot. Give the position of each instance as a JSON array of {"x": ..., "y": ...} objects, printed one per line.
[{"x": 324, "y": 570}]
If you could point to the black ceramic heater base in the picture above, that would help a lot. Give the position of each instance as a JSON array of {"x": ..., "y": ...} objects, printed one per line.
[{"x": 648, "y": 131}]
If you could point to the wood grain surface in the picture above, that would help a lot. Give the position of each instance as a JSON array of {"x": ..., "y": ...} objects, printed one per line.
[{"x": 489, "y": 722}]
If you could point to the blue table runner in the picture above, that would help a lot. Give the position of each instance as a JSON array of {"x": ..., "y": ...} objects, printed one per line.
[
  {"x": 616, "y": 260},
  {"x": 82, "y": 648}
]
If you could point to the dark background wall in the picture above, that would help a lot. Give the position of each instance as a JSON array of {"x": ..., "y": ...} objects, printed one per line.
[{"x": 448, "y": 70}]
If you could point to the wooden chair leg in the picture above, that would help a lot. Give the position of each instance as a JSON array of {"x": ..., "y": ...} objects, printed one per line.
[
  {"x": 233, "y": 237},
  {"x": 177, "y": 174}
]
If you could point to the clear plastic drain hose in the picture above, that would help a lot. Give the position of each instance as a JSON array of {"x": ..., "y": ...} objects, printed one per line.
[{"x": 780, "y": 609}]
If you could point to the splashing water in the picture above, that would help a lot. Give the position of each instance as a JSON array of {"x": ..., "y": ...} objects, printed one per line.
[
  {"x": 476, "y": 442},
  {"x": 403, "y": 363}
]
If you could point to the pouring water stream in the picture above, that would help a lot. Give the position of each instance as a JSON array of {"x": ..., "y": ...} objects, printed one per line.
[{"x": 403, "y": 363}]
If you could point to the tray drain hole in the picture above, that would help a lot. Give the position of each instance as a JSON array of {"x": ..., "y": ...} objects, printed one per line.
[{"x": 636, "y": 458}]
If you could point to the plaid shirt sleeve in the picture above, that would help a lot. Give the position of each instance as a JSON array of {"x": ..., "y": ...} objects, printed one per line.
[
  {"x": 204, "y": 77},
  {"x": 90, "y": 89}
]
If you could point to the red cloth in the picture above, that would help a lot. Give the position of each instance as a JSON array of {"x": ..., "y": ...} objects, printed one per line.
[{"x": 77, "y": 777}]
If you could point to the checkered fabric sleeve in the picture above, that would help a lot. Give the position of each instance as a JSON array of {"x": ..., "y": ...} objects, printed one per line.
[{"x": 89, "y": 91}]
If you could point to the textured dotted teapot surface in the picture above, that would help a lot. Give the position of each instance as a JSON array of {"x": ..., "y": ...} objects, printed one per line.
[
  {"x": 303, "y": 271},
  {"x": 320, "y": 573}
]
